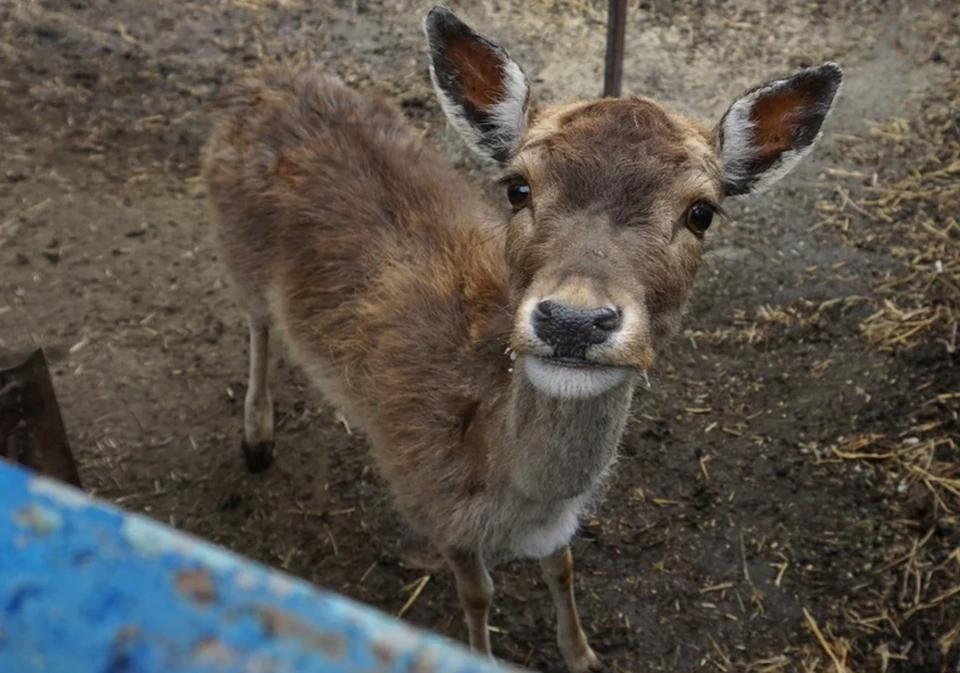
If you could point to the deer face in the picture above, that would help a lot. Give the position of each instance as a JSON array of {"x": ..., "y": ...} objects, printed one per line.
[
  {"x": 604, "y": 244},
  {"x": 610, "y": 200}
]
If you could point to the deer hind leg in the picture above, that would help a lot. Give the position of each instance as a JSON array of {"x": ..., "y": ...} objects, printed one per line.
[
  {"x": 558, "y": 573},
  {"x": 258, "y": 405},
  {"x": 475, "y": 591}
]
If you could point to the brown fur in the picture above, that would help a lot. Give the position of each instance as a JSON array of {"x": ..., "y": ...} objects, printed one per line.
[
  {"x": 401, "y": 292},
  {"x": 374, "y": 257}
]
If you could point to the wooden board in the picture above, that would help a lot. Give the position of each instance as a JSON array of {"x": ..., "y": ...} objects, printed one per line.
[{"x": 31, "y": 428}]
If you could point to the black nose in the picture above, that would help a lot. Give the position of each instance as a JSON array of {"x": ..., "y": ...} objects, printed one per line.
[{"x": 572, "y": 330}]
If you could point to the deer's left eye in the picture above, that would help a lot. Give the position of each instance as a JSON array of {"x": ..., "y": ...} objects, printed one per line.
[{"x": 699, "y": 217}]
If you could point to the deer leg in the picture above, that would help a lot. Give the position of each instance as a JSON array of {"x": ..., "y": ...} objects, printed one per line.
[
  {"x": 475, "y": 591},
  {"x": 558, "y": 573},
  {"x": 258, "y": 404}
]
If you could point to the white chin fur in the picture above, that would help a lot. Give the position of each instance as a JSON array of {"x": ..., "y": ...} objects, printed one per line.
[{"x": 571, "y": 382}]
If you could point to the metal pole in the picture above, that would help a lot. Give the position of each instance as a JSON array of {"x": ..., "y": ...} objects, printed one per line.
[{"x": 616, "y": 38}]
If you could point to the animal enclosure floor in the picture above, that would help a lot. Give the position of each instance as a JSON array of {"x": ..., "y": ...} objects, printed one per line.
[{"x": 788, "y": 490}]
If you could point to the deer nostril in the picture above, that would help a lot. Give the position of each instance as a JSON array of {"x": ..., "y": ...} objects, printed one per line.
[
  {"x": 546, "y": 309},
  {"x": 608, "y": 319}
]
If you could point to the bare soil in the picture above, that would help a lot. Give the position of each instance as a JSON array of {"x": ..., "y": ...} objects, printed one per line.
[{"x": 788, "y": 491}]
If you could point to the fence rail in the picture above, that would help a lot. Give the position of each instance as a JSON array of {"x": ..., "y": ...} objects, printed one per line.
[{"x": 86, "y": 587}]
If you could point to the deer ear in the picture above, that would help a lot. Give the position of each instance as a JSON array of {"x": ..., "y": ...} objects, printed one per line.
[
  {"x": 768, "y": 130},
  {"x": 483, "y": 91}
]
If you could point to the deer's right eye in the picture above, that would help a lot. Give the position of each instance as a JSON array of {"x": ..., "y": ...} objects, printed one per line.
[{"x": 518, "y": 194}]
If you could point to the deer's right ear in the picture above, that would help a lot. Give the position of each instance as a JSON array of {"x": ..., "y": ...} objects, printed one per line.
[{"x": 482, "y": 90}]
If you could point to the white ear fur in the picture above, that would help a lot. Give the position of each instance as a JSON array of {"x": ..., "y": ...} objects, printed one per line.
[
  {"x": 739, "y": 150},
  {"x": 493, "y": 131}
]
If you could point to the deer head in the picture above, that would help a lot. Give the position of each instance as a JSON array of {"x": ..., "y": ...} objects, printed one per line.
[{"x": 610, "y": 200}]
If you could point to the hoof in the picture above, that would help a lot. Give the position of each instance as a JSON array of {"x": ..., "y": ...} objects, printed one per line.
[{"x": 258, "y": 457}]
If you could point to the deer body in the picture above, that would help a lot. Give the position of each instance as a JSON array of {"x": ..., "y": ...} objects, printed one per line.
[
  {"x": 491, "y": 366},
  {"x": 398, "y": 311}
]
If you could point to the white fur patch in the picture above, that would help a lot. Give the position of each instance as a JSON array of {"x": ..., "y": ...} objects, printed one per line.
[
  {"x": 538, "y": 542},
  {"x": 529, "y": 335},
  {"x": 555, "y": 380},
  {"x": 510, "y": 114},
  {"x": 738, "y": 148},
  {"x": 635, "y": 327}
]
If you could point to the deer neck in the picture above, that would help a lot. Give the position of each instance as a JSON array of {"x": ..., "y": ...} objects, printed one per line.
[
  {"x": 560, "y": 448},
  {"x": 549, "y": 448}
]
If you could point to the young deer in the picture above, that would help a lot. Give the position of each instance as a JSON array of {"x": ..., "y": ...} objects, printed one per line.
[{"x": 490, "y": 358}]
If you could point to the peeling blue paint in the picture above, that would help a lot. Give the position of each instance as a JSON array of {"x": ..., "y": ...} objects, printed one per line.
[
  {"x": 41, "y": 520},
  {"x": 88, "y": 588}
]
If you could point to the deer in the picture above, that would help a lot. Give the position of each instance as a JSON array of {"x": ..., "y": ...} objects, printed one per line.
[{"x": 488, "y": 352}]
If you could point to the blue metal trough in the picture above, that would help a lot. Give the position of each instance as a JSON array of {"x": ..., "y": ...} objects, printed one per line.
[{"x": 88, "y": 588}]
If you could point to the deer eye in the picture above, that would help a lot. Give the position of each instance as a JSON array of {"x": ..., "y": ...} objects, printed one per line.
[
  {"x": 518, "y": 194},
  {"x": 699, "y": 217}
]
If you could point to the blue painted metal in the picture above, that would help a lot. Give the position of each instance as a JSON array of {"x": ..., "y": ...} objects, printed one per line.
[{"x": 88, "y": 588}]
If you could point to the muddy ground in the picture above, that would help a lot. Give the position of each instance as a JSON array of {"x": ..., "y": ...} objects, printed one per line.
[{"x": 788, "y": 490}]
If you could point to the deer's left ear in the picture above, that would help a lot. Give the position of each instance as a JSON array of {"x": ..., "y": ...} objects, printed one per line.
[
  {"x": 482, "y": 90},
  {"x": 767, "y": 131}
]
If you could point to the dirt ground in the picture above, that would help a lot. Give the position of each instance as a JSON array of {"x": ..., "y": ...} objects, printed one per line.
[{"x": 788, "y": 494}]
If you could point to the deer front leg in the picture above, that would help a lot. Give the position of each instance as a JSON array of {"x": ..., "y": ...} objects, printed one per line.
[
  {"x": 258, "y": 404},
  {"x": 475, "y": 591},
  {"x": 558, "y": 573}
]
